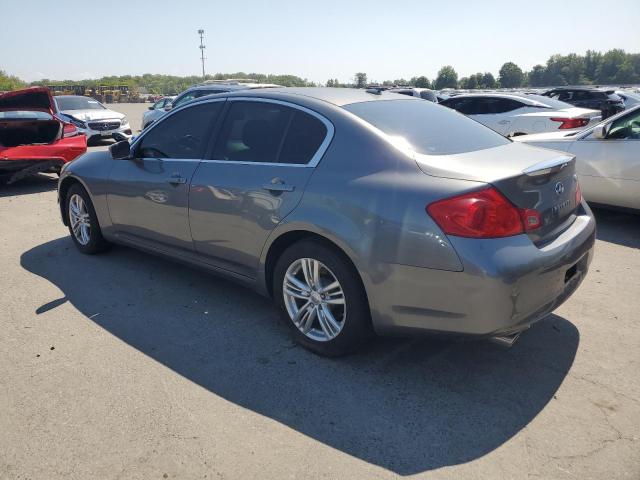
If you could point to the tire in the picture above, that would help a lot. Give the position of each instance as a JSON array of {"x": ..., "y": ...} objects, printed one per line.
[
  {"x": 351, "y": 320},
  {"x": 94, "y": 242}
]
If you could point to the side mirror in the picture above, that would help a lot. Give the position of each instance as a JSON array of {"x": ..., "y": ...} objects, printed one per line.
[
  {"x": 120, "y": 150},
  {"x": 601, "y": 132},
  {"x": 151, "y": 108},
  {"x": 168, "y": 107}
]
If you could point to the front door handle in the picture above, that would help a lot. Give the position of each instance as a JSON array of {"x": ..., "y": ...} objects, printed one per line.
[
  {"x": 177, "y": 179},
  {"x": 278, "y": 185}
]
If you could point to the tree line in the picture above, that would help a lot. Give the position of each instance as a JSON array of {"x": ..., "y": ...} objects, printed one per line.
[
  {"x": 615, "y": 67},
  {"x": 593, "y": 68}
]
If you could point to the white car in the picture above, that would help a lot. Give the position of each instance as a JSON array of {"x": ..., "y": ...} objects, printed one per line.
[
  {"x": 607, "y": 156},
  {"x": 92, "y": 118},
  {"x": 157, "y": 110},
  {"x": 515, "y": 114}
]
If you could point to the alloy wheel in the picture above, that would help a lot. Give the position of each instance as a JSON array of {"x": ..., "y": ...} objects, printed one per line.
[
  {"x": 314, "y": 299},
  {"x": 79, "y": 219}
]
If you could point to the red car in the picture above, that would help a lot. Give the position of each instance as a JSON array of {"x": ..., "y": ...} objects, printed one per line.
[{"x": 32, "y": 138}]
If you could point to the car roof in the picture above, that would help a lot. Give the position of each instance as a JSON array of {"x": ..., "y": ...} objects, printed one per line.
[
  {"x": 336, "y": 96},
  {"x": 231, "y": 86},
  {"x": 585, "y": 88},
  {"x": 513, "y": 96}
]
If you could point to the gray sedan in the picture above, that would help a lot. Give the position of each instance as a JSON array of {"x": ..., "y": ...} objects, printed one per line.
[{"x": 358, "y": 212}]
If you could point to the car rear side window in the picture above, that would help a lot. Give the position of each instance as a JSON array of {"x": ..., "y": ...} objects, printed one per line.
[
  {"x": 304, "y": 137},
  {"x": 266, "y": 132},
  {"x": 430, "y": 129},
  {"x": 183, "y": 134}
]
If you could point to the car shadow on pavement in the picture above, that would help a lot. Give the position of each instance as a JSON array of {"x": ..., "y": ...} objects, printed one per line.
[
  {"x": 618, "y": 227},
  {"x": 34, "y": 184},
  {"x": 407, "y": 405}
]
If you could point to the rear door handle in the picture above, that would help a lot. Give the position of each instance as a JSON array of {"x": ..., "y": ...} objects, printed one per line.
[
  {"x": 504, "y": 122},
  {"x": 278, "y": 185},
  {"x": 177, "y": 179}
]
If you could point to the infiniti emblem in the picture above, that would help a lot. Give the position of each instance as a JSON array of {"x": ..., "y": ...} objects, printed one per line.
[{"x": 559, "y": 188}]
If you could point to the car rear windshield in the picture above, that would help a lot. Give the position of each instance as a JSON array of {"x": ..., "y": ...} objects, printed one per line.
[
  {"x": 430, "y": 129},
  {"x": 77, "y": 103}
]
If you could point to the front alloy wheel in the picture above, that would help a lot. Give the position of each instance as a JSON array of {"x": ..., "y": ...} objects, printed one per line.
[
  {"x": 79, "y": 219},
  {"x": 314, "y": 299},
  {"x": 83, "y": 222}
]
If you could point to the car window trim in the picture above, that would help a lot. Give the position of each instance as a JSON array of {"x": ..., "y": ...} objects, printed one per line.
[
  {"x": 315, "y": 160},
  {"x": 211, "y": 130}
]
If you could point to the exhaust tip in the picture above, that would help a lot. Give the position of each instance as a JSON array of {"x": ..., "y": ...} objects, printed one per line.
[{"x": 505, "y": 341}]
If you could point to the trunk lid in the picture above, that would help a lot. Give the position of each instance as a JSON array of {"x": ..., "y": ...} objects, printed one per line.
[
  {"x": 27, "y": 118},
  {"x": 34, "y": 98},
  {"x": 531, "y": 178}
]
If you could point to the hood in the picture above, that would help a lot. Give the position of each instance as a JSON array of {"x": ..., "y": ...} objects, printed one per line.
[
  {"x": 34, "y": 98},
  {"x": 92, "y": 114}
]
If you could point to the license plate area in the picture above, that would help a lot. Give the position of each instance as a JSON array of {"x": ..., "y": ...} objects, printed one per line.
[{"x": 106, "y": 133}]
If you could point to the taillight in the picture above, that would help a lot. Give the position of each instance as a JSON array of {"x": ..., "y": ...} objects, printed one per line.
[
  {"x": 483, "y": 214},
  {"x": 578, "y": 193},
  {"x": 569, "y": 123},
  {"x": 69, "y": 130}
]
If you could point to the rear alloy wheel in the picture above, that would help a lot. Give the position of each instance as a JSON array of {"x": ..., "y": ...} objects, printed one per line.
[
  {"x": 83, "y": 222},
  {"x": 322, "y": 299},
  {"x": 314, "y": 299}
]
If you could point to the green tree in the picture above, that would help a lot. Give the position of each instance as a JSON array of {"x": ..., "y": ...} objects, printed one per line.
[
  {"x": 421, "y": 82},
  {"x": 360, "y": 80},
  {"x": 447, "y": 78},
  {"x": 611, "y": 63},
  {"x": 9, "y": 82},
  {"x": 536, "y": 76},
  {"x": 511, "y": 76},
  {"x": 488, "y": 80}
]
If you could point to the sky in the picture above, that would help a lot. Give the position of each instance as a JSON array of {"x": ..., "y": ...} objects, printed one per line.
[{"x": 317, "y": 40}]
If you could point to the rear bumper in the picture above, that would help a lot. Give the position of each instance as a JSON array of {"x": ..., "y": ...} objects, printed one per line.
[
  {"x": 25, "y": 160},
  {"x": 507, "y": 284}
]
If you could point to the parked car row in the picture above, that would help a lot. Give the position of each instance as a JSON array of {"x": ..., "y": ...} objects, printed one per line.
[
  {"x": 356, "y": 211},
  {"x": 520, "y": 114},
  {"x": 211, "y": 87}
]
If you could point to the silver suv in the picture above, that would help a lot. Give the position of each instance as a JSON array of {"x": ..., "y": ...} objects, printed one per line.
[{"x": 209, "y": 87}]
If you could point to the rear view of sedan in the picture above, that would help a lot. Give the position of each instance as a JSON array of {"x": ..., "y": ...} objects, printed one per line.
[
  {"x": 32, "y": 138},
  {"x": 356, "y": 212},
  {"x": 521, "y": 114}
]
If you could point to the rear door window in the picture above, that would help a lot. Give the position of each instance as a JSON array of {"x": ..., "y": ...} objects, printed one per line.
[
  {"x": 493, "y": 105},
  {"x": 266, "y": 132}
]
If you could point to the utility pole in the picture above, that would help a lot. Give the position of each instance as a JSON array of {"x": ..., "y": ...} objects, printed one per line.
[{"x": 202, "y": 47}]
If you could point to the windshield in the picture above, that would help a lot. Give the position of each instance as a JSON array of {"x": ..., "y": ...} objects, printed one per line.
[
  {"x": 78, "y": 103},
  {"x": 427, "y": 128}
]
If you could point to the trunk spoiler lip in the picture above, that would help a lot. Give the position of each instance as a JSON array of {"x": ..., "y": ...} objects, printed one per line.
[
  {"x": 26, "y": 92},
  {"x": 546, "y": 166}
]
